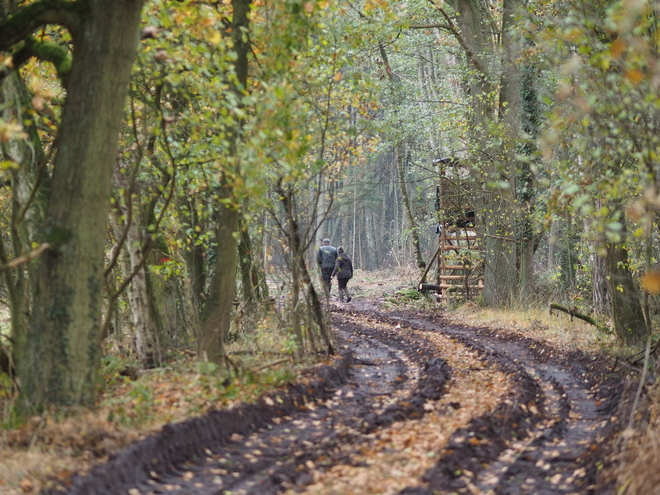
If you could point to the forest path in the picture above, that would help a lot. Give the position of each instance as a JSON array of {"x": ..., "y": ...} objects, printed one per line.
[{"x": 428, "y": 407}]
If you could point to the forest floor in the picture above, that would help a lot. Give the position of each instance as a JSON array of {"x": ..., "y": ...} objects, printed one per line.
[{"x": 418, "y": 400}]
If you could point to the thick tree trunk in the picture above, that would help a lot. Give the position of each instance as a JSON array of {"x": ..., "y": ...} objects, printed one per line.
[
  {"x": 476, "y": 31},
  {"x": 530, "y": 112},
  {"x": 499, "y": 251},
  {"x": 63, "y": 344},
  {"x": 501, "y": 274},
  {"x": 629, "y": 323}
]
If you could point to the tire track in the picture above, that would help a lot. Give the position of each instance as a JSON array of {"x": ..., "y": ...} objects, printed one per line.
[
  {"x": 552, "y": 456},
  {"x": 323, "y": 433}
]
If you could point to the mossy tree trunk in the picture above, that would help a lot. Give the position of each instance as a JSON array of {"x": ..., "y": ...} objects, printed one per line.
[
  {"x": 629, "y": 323},
  {"x": 493, "y": 90},
  {"x": 62, "y": 354}
]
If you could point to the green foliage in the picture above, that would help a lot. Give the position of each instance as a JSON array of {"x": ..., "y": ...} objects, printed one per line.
[
  {"x": 599, "y": 140},
  {"x": 112, "y": 368}
]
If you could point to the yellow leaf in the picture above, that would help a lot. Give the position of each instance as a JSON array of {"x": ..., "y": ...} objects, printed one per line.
[
  {"x": 214, "y": 37},
  {"x": 651, "y": 282},
  {"x": 338, "y": 76}
]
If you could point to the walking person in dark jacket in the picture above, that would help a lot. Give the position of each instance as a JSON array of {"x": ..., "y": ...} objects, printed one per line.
[
  {"x": 344, "y": 272},
  {"x": 326, "y": 257}
]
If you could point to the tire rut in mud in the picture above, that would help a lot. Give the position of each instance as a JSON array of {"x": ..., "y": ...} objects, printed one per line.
[
  {"x": 553, "y": 451},
  {"x": 540, "y": 438},
  {"x": 279, "y": 451},
  {"x": 282, "y": 456}
]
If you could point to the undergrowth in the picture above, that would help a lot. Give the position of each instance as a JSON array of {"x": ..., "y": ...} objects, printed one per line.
[{"x": 133, "y": 403}]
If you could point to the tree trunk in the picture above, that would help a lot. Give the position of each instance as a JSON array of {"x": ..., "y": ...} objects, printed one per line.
[
  {"x": 499, "y": 251},
  {"x": 250, "y": 276},
  {"x": 476, "y": 33},
  {"x": 600, "y": 294},
  {"x": 501, "y": 272},
  {"x": 138, "y": 294},
  {"x": 407, "y": 208},
  {"x": 30, "y": 182},
  {"x": 216, "y": 317},
  {"x": 194, "y": 254},
  {"x": 530, "y": 112},
  {"x": 629, "y": 323},
  {"x": 63, "y": 342}
]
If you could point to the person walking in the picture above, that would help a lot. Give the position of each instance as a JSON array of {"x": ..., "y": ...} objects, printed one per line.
[
  {"x": 326, "y": 257},
  {"x": 344, "y": 272}
]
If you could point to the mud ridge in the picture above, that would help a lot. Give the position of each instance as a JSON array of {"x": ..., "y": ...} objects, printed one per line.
[
  {"x": 586, "y": 386},
  {"x": 181, "y": 442}
]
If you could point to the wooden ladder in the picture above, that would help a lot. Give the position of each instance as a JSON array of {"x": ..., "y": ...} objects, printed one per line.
[{"x": 455, "y": 275}]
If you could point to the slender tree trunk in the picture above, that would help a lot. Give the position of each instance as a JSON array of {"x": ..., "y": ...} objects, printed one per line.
[
  {"x": 216, "y": 316},
  {"x": 138, "y": 294},
  {"x": 407, "y": 208},
  {"x": 600, "y": 293},
  {"x": 250, "y": 276},
  {"x": 63, "y": 343},
  {"x": 296, "y": 260},
  {"x": 194, "y": 255},
  {"x": 30, "y": 182}
]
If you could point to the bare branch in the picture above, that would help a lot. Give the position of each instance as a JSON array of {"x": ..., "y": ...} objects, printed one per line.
[
  {"x": 453, "y": 29},
  {"x": 446, "y": 27},
  {"x": 21, "y": 260}
]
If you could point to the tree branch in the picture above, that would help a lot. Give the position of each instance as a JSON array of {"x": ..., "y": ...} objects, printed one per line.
[
  {"x": 21, "y": 260},
  {"x": 574, "y": 313},
  {"x": 18, "y": 27},
  {"x": 446, "y": 27},
  {"x": 453, "y": 29},
  {"x": 48, "y": 52}
]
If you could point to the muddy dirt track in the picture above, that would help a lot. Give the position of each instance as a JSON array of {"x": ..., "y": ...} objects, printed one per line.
[{"x": 413, "y": 405}]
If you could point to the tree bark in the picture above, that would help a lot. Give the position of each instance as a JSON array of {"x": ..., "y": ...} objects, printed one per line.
[
  {"x": 216, "y": 316},
  {"x": 629, "y": 323},
  {"x": 30, "y": 182},
  {"x": 600, "y": 293},
  {"x": 63, "y": 341},
  {"x": 138, "y": 294}
]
